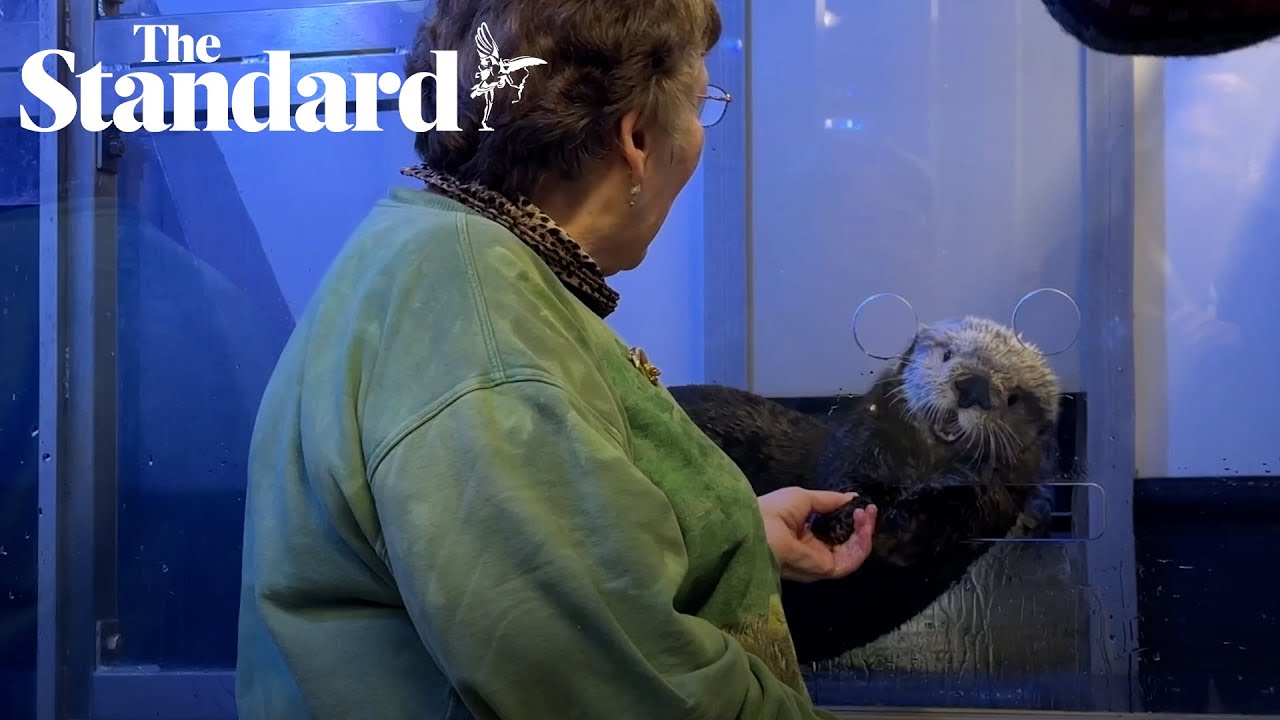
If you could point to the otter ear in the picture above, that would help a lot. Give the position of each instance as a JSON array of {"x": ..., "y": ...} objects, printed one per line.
[
  {"x": 905, "y": 358},
  {"x": 911, "y": 349}
]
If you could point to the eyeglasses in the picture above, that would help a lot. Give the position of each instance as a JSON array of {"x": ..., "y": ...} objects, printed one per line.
[{"x": 710, "y": 113}]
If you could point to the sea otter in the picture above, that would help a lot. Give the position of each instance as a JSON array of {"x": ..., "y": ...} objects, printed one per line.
[{"x": 951, "y": 443}]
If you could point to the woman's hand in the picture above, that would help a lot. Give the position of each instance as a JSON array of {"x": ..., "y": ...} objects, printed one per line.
[{"x": 802, "y": 556}]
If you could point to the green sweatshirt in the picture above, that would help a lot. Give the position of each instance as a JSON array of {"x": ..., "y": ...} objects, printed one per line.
[{"x": 465, "y": 501}]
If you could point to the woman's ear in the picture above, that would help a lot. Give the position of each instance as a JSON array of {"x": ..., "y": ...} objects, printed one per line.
[{"x": 635, "y": 144}]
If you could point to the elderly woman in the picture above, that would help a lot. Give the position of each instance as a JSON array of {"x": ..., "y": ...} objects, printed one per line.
[{"x": 465, "y": 498}]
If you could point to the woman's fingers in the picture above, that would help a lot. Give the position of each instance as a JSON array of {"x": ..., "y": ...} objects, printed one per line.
[
  {"x": 855, "y": 551},
  {"x": 824, "y": 501},
  {"x": 814, "y": 560}
]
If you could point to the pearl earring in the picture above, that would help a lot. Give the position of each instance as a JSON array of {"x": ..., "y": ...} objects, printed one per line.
[{"x": 635, "y": 193}]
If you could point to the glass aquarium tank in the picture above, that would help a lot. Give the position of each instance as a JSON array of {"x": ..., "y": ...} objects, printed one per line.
[{"x": 885, "y": 163}]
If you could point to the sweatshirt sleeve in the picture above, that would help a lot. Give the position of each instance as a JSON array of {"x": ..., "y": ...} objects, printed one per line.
[{"x": 540, "y": 569}]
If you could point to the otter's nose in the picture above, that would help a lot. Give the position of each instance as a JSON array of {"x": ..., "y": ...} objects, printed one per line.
[{"x": 973, "y": 390}]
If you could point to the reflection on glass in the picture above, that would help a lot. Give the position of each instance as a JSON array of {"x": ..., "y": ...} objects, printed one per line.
[
  {"x": 19, "y": 10},
  {"x": 1005, "y": 636},
  {"x": 222, "y": 238}
]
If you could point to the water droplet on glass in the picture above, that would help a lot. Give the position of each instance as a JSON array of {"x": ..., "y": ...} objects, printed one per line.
[
  {"x": 46, "y": 457},
  {"x": 164, "y": 568},
  {"x": 151, "y": 460},
  {"x": 3, "y": 551},
  {"x": 35, "y": 430}
]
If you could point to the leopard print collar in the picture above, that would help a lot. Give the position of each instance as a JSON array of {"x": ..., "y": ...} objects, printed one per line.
[{"x": 571, "y": 265}]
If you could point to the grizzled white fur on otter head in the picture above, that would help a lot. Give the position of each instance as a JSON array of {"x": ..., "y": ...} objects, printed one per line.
[{"x": 976, "y": 385}]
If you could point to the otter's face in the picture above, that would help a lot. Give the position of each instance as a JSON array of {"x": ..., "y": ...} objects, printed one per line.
[{"x": 976, "y": 386}]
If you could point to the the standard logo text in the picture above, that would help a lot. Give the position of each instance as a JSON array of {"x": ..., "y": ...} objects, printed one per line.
[{"x": 167, "y": 102}]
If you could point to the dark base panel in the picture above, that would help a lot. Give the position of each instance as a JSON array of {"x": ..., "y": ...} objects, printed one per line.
[
  {"x": 1071, "y": 434},
  {"x": 1209, "y": 593},
  {"x": 1042, "y": 692}
]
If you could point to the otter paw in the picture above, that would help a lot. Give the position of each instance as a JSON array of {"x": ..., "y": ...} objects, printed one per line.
[
  {"x": 837, "y": 527},
  {"x": 834, "y": 528}
]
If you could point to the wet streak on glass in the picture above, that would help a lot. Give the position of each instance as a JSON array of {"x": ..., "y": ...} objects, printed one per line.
[
  {"x": 77, "y": 440},
  {"x": 1107, "y": 368}
]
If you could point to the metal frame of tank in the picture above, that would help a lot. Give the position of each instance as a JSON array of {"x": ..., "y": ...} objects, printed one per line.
[{"x": 77, "y": 439}]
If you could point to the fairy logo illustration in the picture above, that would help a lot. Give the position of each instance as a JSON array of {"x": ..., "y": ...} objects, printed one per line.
[{"x": 496, "y": 73}]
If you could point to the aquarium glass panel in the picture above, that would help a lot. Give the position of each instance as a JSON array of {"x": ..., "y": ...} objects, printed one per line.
[
  {"x": 914, "y": 162},
  {"x": 923, "y": 160}
]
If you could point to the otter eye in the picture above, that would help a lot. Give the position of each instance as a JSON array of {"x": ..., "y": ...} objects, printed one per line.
[
  {"x": 946, "y": 356},
  {"x": 1013, "y": 399}
]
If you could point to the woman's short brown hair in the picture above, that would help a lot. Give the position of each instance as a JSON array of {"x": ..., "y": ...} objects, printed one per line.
[{"x": 604, "y": 59}]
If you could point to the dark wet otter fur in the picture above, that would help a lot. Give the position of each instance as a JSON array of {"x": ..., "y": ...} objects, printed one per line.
[
  {"x": 950, "y": 444},
  {"x": 1168, "y": 28}
]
